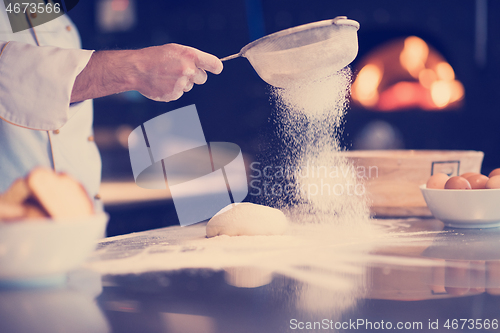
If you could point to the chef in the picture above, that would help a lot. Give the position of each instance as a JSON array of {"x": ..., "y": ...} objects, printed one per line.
[{"x": 47, "y": 83}]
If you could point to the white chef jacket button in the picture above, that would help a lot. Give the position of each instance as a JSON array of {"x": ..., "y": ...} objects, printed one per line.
[
  {"x": 90, "y": 138},
  {"x": 33, "y": 15},
  {"x": 68, "y": 27},
  {"x": 56, "y": 131},
  {"x": 97, "y": 197}
]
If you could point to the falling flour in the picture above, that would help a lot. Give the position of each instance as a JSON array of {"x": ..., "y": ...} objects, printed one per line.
[{"x": 309, "y": 119}]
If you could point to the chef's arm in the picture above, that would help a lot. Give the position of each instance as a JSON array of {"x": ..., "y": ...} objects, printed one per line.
[
  {"x": 36, "y": 84},
  {"x": 162, "y": 73}
]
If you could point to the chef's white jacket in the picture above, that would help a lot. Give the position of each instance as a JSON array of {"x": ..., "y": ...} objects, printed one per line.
[{"x": 38, "y": 126}]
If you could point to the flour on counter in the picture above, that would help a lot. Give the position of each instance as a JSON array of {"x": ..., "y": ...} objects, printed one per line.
[
  {"x": 303, "y": 252},
  {"x": 328, "y": 262}
]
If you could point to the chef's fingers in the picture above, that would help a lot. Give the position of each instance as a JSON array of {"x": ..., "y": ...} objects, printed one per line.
[
  {"x": 179, "y": 87},
  {"x": 188, "y": 86},
  {"x": 200, "y": 76},
  {"x": 209, "y": 62}
]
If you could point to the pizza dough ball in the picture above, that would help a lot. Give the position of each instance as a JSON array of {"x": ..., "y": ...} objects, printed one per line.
[{"x": 247, "y": 219}]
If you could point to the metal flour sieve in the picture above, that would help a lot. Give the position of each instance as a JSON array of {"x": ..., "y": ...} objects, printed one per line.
[{"x": 310, "y": 51}]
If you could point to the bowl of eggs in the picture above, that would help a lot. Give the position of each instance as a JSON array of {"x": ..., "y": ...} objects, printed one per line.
[
  {"x": 470, "y": 200},
  {"x": 392, "y": 177}
]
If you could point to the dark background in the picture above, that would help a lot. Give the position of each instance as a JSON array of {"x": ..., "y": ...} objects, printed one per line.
[{"x": 235, "y": 106}]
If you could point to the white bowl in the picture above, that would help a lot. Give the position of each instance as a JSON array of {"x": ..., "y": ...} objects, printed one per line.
[
  {"x": 393, "y": 176},
  {"x": 47, "y": 248},
  {"x": 464, "y": 208}
]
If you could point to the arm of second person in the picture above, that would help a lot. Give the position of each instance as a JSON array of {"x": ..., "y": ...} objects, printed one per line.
[{"x": 162, "y": 73}]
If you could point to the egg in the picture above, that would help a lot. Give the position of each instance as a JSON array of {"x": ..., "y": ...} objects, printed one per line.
[
  {"x": 495, "y": 172},
  {"x": 457, "y": 183},
  {"x": 494, "y": 182},
  {"x": 437, "y": 181},
  {"x": 477, "y": 181},
  {"x": 468, "y": 174}
]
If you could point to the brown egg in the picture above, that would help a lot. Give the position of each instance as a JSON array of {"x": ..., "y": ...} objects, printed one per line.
[
  {"x": 495, "y": 172},
  {"x": 468, "y": 174},
  {"x": 494, "y": 182},
  {"x": 457, "y": 183},
  {"x": 477, "y": 181},
  {"x": 437, "y": 181}
]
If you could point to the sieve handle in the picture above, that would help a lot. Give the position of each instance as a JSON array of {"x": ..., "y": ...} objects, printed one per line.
[{"x": 231, "y": 57}]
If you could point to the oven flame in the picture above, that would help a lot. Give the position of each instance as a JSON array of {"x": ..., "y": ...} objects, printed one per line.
[{"x": 407, "y": 73}]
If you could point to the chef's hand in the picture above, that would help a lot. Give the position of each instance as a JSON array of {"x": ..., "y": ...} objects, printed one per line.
[
  {"x": 166, "y": 72},
  {"x": 162, "y": 73}
]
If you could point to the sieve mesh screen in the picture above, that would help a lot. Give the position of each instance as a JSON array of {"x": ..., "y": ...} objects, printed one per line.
[{"x": 312, "y": 51}]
